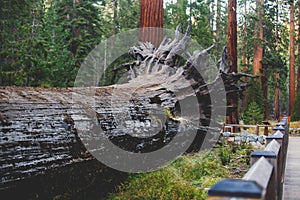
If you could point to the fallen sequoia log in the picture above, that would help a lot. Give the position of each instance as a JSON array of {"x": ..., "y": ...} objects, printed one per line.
[{"x": 168, "y": 91}]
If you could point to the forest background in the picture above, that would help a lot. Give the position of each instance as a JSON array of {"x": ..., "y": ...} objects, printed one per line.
[{"x": 44, "y": 42}]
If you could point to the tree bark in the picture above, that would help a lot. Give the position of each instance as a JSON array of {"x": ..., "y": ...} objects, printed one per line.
[
  {"x": 218, "y": 18},
  {"x": 276, "y": 101},
  {"x": 151, "y": 15},
  {"x": 258, "y": 54},
  {"x": 259, "y": 36},
  {"x": 115, "y": 15},
  {"x": 232, "y": 117},
  {"x": 276, "y": 96},
  {"x": 244, "y": 56},
  {"x": 292, "y": 58},
  {"x": 212, "y": 11},
  {"x": 298, "y": 61}
]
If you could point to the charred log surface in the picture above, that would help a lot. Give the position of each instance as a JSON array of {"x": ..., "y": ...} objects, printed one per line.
[
  {"x": 38, "y": 134},
  {"x": 80, "y": 180},
  {"x": 42, "y": 156},
  {"x": 39, "y": 127}
]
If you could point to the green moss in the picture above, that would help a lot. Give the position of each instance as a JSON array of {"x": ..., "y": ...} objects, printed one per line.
[{"x": 188, "y": 177}]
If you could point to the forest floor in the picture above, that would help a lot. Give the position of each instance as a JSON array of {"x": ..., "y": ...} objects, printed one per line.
[{"x": 188, "y": 177}]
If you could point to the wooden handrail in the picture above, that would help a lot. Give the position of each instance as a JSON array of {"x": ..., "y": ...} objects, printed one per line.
[
  {"x": 264, "y": 180},
  {"x": 263, "y": 167},
  {"x": 231, "y": 126}
]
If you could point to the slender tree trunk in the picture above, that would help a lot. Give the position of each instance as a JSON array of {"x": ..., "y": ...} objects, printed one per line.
[
  {"x": 276, "y": 98},
  {"x": 244, "y": 56},
  {"x": 75, "y": 29},
  {"x": 292, "y": 57},
  {"x": 212, "y": 21},
  {"x": 259, "y": 35},
  {"x": 152, "y": 15},
  {"x": 298, "y": 61},
  {"x": 258, "y": 54},
  {"x": 218, "y": 25},
  {"x": 264, "y": 85},
  {"x": 276, "y": 101},
  {"x": 115, "y": 29},
  {"x": 232, "y": 116}
]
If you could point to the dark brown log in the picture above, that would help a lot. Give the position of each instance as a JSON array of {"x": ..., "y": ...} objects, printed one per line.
[
  {"x": 40, "y": 129},
  {"x": 151, "y": 15}
]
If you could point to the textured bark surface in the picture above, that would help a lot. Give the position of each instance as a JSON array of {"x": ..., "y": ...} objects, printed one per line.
[
  {"x": 258, "y": 35},
  {"x": 276, "y": 100},
  {"x": 292, "y": 88},
  {"x": 244, "y": 55},
  {"x": 297, "y": 8},
  {"x": 258, "y": 54},
  {"x": 232, "y": 117},
  {"x": 39, "y": 128},
  {"x": 152, "y": 15}
]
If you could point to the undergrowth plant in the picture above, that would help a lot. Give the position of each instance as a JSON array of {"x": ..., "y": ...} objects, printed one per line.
[{"x": 188, "y": 177}]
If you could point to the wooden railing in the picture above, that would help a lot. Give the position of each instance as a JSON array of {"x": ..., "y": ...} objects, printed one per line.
[
  {"x": 231, "y": 127},
  {"x": 264, "y": 180}
]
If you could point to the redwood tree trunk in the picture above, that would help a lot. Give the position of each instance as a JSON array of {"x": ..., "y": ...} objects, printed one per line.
[
  {"x": 298, "y": 64},
  {"x": 276, "y": 98},
  {"x": 258, "y": 54},
  {"x": 292, "y": 58},
  {"x": 152, "y": 15},
  {"x": 276, "y": 102},
  {"x": 232, "y": 116},
  {"x": 244, "y": 56},
  {"x": 259, "y": 35}
]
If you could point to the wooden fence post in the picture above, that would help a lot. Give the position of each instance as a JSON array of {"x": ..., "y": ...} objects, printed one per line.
[
  {"x": 251, "y": 187},
  {"x": 271, "y": 153},
  {"x": 279, "y": 137}
]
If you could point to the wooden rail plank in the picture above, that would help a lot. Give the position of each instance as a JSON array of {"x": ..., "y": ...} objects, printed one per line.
[
  {"x": 269, "y": 182},
  {"x": 291, "y": 189}
]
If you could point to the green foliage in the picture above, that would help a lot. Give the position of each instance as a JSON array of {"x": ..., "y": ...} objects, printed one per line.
[
  {"x": 253, "y": 114},
  {"x": 45, "y": 42},
  {"x": 296, "y": 112},
  {"x": 275, "y": 48},
  {"x": 199, "y": 17},
  {"x": 128, "y": 18},
  {"x": 254, "y": 94},
  {"x": 224, "y": 155},
  {"x": 186, "y": 177}
]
